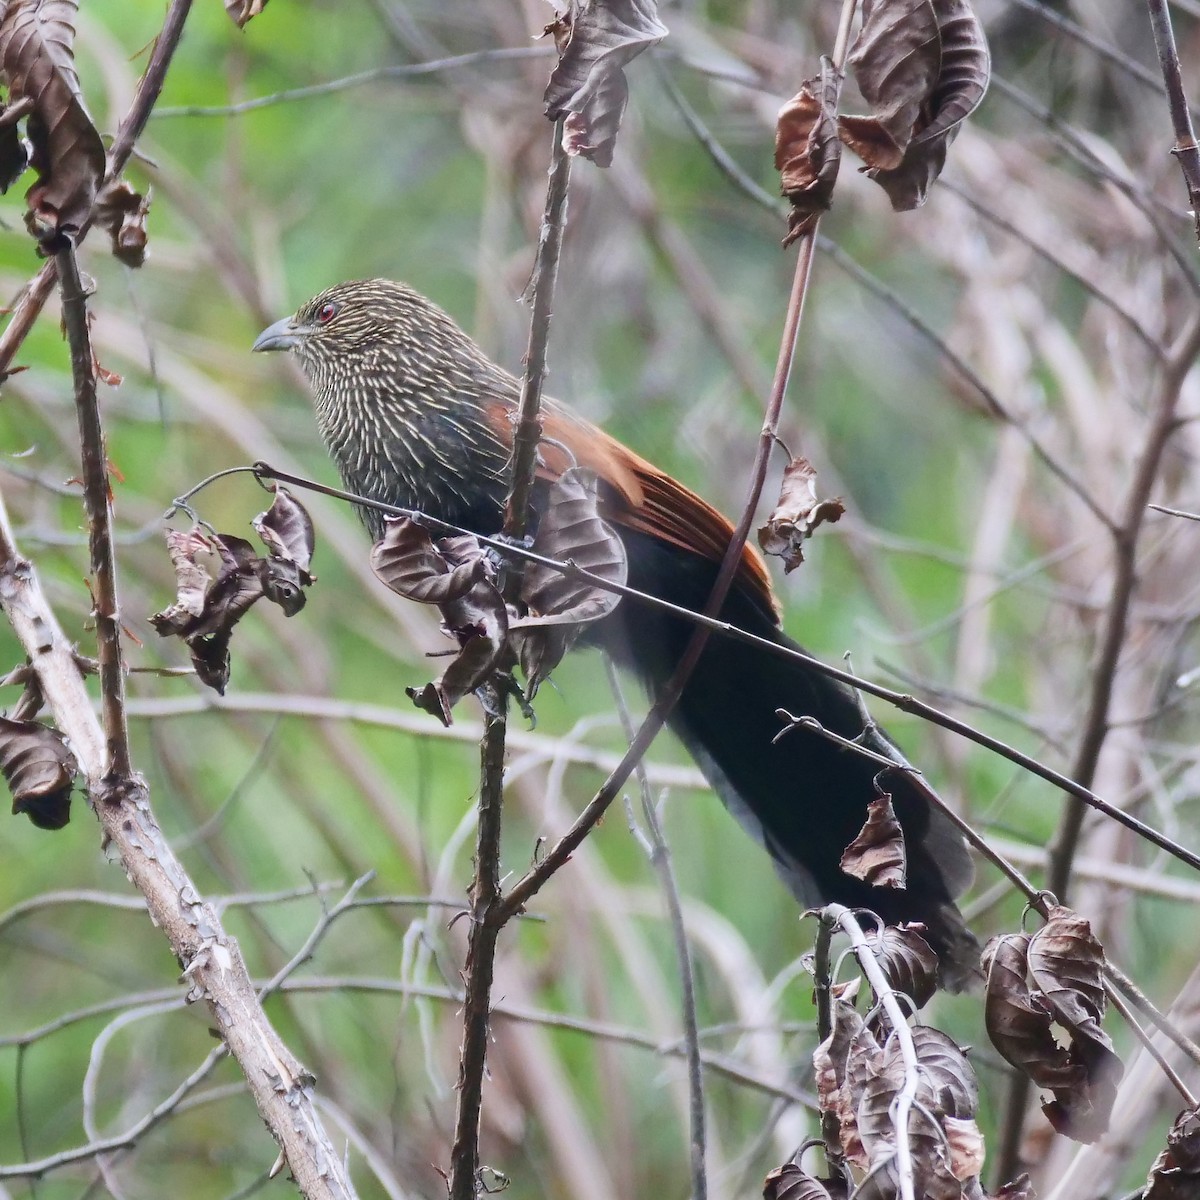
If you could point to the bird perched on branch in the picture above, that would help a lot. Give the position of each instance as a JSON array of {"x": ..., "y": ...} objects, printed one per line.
[{"x": 416, "y": 415}]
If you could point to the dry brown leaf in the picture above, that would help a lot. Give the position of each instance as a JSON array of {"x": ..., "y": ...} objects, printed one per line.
[
  {"x": 896, "y": 59},
  {"x": 1083, "y": 1074},
  {"x": 1175, "y": 1173},
  {"x": 242, "y": 11},
  {"x": 946, "y": 1090},
  {"x": 796, "y": 514},
  {"x": 807, "y": 150},
  {"x": 286, "y": 530},
  {"x": 458, "y": 577},
  {"x": 877, "y": 855},
  {"x": 831, "y": 1064},
  {"x": 40, "y": 771},
  {"x": 908, "y": 961},
  {"x": 122, "y": 212},
  {"x": 792, "y": 1182},
  {"x": 960, "y": 86},
  {"x": 207, "y": 605},
  {"x": 588, "y": 85},
  {"x": 558, "y": 607},
  {"x": 38, "y": 62}
]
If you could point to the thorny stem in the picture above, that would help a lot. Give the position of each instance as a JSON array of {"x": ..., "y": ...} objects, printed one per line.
[
  {"x": 487, "y": 914},
  {"x": 831, "y": 1138},
  {"x": 98, "y": 506},
  {"x": 32, "y": 300},
  {"x": 1185, "y": 149}
]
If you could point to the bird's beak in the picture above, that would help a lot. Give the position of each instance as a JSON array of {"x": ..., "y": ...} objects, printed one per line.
[{"x": 283, "y": 335}]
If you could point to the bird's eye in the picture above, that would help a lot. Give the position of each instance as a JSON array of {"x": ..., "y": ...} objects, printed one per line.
[{"x": 326, "y": 313}]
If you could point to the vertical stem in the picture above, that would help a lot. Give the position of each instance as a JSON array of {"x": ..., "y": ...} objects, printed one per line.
[
  {"x": 488, "y": 916},
  {"x": 1185, "y": 149},
  {"x": 98, "y": 506}
]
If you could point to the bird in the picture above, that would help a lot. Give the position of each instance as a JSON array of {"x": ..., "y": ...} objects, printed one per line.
[{"x": 416, "y": 415}]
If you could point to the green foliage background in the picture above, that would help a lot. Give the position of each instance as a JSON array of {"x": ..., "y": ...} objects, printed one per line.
[{"x": 672, "y": 292}]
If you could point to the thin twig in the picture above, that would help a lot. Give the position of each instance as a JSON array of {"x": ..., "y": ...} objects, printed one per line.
[
  {"x": 488, "y": 913},
  {"x": 97, "y": 504},
  {"x": 1164, "y": 424},
  {"x": 1185, "y": 148},
  {"x": 360, "y": 79},
  {"x": 660, "y": 858}
]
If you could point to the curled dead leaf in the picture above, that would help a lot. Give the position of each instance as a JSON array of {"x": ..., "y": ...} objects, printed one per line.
[
  {"x": 797, "y": 514},
  {"x": 807, "y": 150},
  {"x": 588, "y": 85},
  {"x": 40, "y": 771},
  {"x": 908, "y": 961},
  {"x": 122, "y": 212},
  {"x": 457, "y": 576},
  {"x": 286, "y": 530},
  {"x": 1021, "y": 1020},
  {"x": 558, "y": 606},
  {"x": 877, "y": 855},
  {"x": 792, "y": 1182},
  {"x": 923, "y": 67},
  {"x": 1175, "y": 1173},
  {"x": 37, "y": 58}
]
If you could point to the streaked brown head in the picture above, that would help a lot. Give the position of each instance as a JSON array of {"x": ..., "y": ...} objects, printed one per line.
[{"x": 404, "y": 399}]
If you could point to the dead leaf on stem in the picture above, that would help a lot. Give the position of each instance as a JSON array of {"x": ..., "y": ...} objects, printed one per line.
[
  {"x": 40, "y": 771},
  {"x": 908, "y": 961},
  {"x": 877, "y": 855},
  {"x": 558, "y": 606},
  {"x": 122, "y": 212},
  {"x": 797, "y": 514},
  {"x": 1175, "y": 1173},
  {"x": 38, "y": 62},
  {"x": 597, "y": 39},
  {"x": 218, "y": 577},
  {"x": 792, "y": 1182},
  {"x": 807, "y": 150},
  {"x": 923, "y": 67},
  {"x": 1066, "y": 962},
  {"x": 286, "y": 530},
  {"x": 457, "y": 576}
]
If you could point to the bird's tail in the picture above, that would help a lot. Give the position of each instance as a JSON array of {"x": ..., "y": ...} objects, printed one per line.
[{"x": 801, "y": 796}]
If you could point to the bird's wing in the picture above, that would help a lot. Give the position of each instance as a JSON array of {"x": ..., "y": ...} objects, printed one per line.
[{"x": 647, "y": 499}]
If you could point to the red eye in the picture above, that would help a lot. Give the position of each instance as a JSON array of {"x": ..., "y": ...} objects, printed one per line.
[{"x": 326, "y": 313}]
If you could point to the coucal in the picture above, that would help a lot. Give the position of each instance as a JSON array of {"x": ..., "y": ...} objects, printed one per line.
[{"x": 416, "y": 415}]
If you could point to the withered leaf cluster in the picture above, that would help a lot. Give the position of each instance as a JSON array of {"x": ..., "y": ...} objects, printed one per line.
[
  {"x": 62, "y": 144},
  {"x": 40, "y": 771},
  {"x": 459, "y": 576},
  {"x": 220, "y": 576},
  {"x": 922, "y": 66},
  {"x": 1175, "y": 1173},
  {"x": 596, "y": 40},
  {"x": 797, "y": 514},
  {"x": 860, "y": 1072},
  {"x": 1044, "y": 1006}
]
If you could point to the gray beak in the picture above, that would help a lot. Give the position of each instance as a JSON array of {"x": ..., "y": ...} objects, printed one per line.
[{"x": 283, "y": 335}]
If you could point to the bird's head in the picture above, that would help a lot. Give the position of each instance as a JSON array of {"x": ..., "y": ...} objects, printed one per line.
[{"x": 364, "y": 323}]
